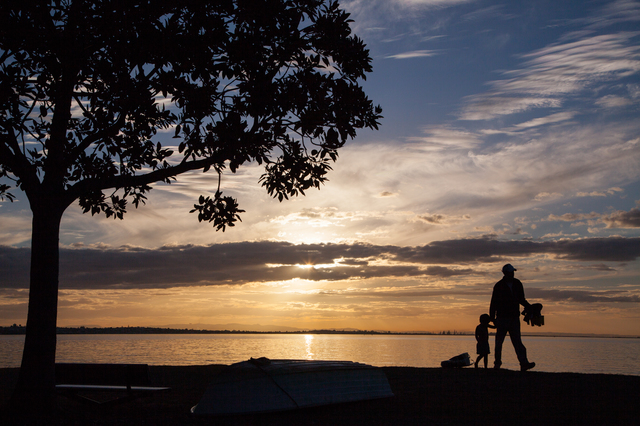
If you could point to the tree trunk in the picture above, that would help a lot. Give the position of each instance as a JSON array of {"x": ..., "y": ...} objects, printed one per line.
[{"x": 36, "y": 384}]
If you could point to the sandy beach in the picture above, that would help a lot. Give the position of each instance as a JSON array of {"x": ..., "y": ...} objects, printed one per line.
[{"x": 422, "y": 396}]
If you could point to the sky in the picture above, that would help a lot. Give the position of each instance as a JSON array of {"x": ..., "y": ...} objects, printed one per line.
[{"x": 511, "y": 134}]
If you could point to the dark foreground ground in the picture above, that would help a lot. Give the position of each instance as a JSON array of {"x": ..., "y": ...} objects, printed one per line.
[{"x": 422, "y": 396}]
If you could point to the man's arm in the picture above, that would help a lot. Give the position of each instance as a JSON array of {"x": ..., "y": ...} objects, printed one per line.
[
  {"x": 492, "y": 306},
  {"x": 521, "y": 299}
]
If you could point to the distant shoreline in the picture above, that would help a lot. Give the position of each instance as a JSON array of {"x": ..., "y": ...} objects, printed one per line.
[{"x": 21, "y": 330}]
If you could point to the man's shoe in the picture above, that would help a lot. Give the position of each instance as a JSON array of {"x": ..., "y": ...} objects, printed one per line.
[
  {"x": 527, "y": 366},
  {"x": 497, "y": 365}
]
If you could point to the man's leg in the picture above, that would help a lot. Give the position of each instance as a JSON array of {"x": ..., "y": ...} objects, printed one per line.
[
  {"x": 521, "y": 350},
  {"x": 501, "y": 332}
]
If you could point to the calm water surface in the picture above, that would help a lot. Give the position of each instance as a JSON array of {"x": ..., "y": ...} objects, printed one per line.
[{"x": 551, "y": 354}]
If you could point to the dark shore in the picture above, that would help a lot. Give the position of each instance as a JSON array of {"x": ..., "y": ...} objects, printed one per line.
[{"x": 422, "y": 396}]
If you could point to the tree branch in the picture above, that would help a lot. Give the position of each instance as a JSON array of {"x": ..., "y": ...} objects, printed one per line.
[
  {"x": 95, "y": 137},
  {"x": 11, "y": 141},
  {"x": 123, "y": 181},
  {"x": 17, "y": 163}
]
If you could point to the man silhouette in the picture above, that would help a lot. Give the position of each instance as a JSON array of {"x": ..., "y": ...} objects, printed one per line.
[{"x": 508, "y": 295}]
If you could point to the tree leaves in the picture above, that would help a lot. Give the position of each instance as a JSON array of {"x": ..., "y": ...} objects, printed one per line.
[
  {"x": 5, "y": 194},
  {"x": 90, "y": 85},
  {"x": 221, "y": 211}
]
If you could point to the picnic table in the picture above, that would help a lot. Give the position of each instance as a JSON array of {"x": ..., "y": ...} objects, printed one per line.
[{"x": 104, "y": 384}]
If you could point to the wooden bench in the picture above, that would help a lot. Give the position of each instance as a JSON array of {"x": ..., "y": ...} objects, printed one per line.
[{"x": 119, "y": 382}]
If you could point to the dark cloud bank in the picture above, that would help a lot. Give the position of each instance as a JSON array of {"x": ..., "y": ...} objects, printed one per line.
[{"x": 241, "y": 263}]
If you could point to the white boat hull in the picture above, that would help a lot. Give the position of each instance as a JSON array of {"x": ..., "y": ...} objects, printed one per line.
[{"x": 257, "y": 386}]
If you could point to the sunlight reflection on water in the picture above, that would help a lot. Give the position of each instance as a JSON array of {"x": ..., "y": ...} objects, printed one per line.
[
  {"x": 552, "y": 354},
  {"x": 308, "y": 339}
]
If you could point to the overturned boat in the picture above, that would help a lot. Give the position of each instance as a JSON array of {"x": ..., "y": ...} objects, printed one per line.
[{"x": 263, "y": 385}]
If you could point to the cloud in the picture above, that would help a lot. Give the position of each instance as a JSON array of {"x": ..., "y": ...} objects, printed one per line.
[
  {"x": 572, "y": 217},
  {"x": 488, "y": 250},
  {"x": 616, "y": 220},
  {"x": 453, "y": 171},
  {"x": 486, "y": 13},
  {"x": 617, "y": 12},
  {"x": 583, "y": 296},
  {"x": 444, "y": 170},
  {"x": 549, "y": 295},
  {"x": 402, "y": 4},
  {"x": 392, "y": 19},
  {"x": 413, "y": 54},
  {"x": 488, "y": 106},
  {"x": 569, "y": 67},
  {"x": 610, "y": 191},
  {"x": 315, "y": 217},
  {"x": 387, "y": 194},
  {"x": 553, "y": 118},
  {"x": 417, "y": 292},
  {"x": 601, "y": 267},
  {"x": 269, "y": 261},
  {"x": 613, "y": 101},
  {"x": 14, "y": 229},
  {"x": 622, "y": 219},
  {"x": 552, "y": 74},
  {"x": 545, "y": 196},
  {"x": 432, "y": 37},
  {"x": 441, "y": 219},
  {"x": 430, "y": 3},
  {"x": 444, "y": 137}
]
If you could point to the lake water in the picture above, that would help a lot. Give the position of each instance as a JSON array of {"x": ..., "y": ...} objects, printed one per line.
[{"x": 551, "y": 354}]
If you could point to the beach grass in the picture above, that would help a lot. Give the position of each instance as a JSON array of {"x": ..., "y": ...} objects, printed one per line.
[{"x": 422, "y": 396}]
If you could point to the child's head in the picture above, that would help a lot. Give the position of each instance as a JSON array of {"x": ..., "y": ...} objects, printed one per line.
[{"x": 485, "y": 319}]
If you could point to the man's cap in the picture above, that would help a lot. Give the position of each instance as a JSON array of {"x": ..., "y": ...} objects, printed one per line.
[{"x": 508, "y": 268}]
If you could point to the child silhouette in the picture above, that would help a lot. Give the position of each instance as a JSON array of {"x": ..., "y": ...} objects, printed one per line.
[{"x": 482, "y": 338}]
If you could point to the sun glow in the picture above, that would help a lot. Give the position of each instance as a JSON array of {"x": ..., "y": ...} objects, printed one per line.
[
  {"x": 306, "y": 266},
  {"x": 318, "y": 265}
]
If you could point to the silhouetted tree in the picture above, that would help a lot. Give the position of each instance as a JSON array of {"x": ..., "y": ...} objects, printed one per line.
[{"x": 86, "y": 85}]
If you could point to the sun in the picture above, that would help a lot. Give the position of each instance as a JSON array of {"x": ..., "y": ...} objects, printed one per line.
[{"x": 306, "y": 266}]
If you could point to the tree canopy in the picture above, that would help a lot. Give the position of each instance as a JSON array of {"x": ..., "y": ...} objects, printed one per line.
[{"x": 85, "y": 87}]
